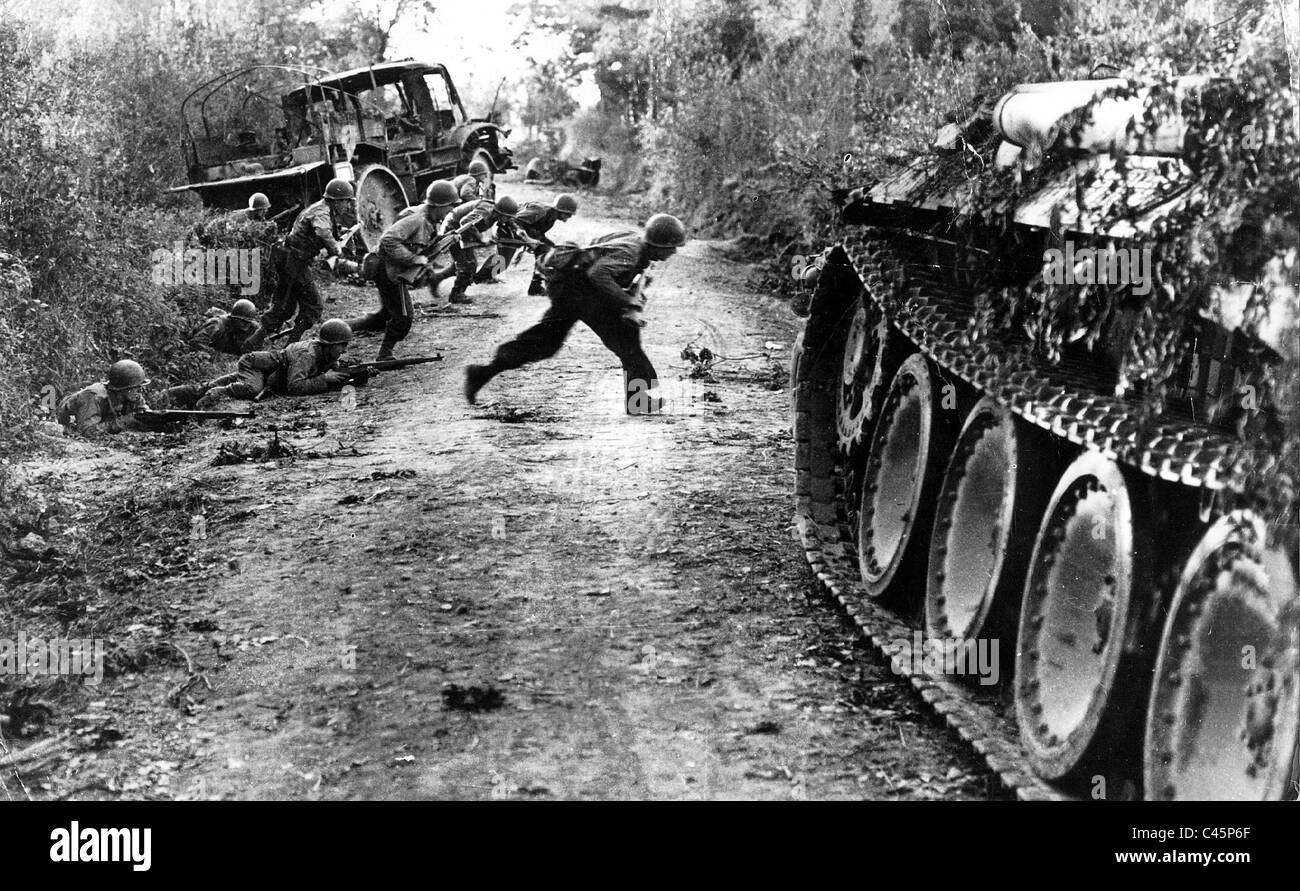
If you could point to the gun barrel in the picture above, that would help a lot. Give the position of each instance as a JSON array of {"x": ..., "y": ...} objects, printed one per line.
[{"x": 392, "y": 364}]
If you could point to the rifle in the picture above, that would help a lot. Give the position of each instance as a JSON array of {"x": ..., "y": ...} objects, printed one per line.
[
  {"x": 366, "y": 369},
  {"x": 172, "y": 416}
]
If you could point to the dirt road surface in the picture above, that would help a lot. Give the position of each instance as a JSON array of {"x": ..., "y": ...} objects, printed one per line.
[{"x": 534, "y": 597}]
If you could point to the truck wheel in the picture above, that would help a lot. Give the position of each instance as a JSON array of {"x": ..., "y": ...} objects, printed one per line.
[{"x": 380, "y": 198}]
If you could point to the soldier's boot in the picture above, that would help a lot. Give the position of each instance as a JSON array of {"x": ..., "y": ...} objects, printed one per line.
[
  {"x": 460, "y": 298},
  {"x": 476, "y": 377},
  {"x": 386, "y": 349}
]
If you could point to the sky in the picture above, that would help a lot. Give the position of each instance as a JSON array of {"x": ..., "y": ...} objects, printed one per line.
[{"x": 481, "y": 43}]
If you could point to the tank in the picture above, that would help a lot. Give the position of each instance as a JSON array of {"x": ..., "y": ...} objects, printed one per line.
[{"x": 1065, "y": 518}]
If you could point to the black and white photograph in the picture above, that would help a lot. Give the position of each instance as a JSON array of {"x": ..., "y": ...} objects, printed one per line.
[{"x": 865, "y": 401}]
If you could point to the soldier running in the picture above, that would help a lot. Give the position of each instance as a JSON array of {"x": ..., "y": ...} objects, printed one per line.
[
  {"x": 596, "y": 286},
  {"x": 227, "y": 332},
  {"x": 109, "y": 406},
  {"x": 402, "y": 265},
  {"x": 535, "y": 219},
  {"x": 302, "y": 368},
  {"x": 317, "y": 228},
  {"x": 471, "y": 221}
]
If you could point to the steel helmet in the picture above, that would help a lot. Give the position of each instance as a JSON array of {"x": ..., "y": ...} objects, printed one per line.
[
  {"x": 507, "y": 206},
  {"x": 566, "y": 203},
  {"x": 478, "y": 167},
  {"x": 244, "y": 309},
  {"x": 665, "y": 230},
  {"x": 125, "y": 375},
  {"x": 441, "y": 193},
  {"x": 334, "y": 331},
  {"x": 340, "y": 189},
  {"x": 258, "y": 201}
]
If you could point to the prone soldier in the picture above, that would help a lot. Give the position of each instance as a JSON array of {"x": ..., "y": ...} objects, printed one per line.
[
  {"x": 227, "y": 332},
  {"x": 319, "y": 227},
  {"x": 302, "y": 368},
  {"x": 535, "y": 220},
  {"x": 109, "y": 406},
  {"x": 600, "y": 287},
  {"x": 404, "y": 261}
]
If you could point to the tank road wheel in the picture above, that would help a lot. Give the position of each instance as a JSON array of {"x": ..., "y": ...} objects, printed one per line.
[
  {"x": 989, "y": 506},
  {"x": 380, "y": 198},
  {"x": 1079, "y": 638},
  {"x": 1225, "y": 702},
  {"x": 909, "y": 446}
]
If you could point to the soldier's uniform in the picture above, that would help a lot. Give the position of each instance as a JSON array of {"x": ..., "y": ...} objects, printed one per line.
[
  {"x": 478, "y": 216},
  {"x": 241, "y": 218},
  {"x": 535, "y": 220},
  {"x": 224, "y": 333},
  {"x": 469, "y": 188},
  {"x": 597, "y": 296},
  {"x": 92, "y": 409},
  {"x": 297, "y": 370},
  {"x": 399, "y": 253},
  {"x": 314, "y": 230}
]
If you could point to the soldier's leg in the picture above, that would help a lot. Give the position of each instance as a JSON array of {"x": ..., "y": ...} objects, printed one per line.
[
  {"x": 541, "y": 341},
  {"x": 621, "y": 334},
  {"x": 379, "y": 319},
  {"x": 310, "y": 305},
  {"x": 538, "y": 283},
  {"x": 288, "y": 271},
  {"x": 397, "y": 304},
  {"x": 465, "y": 269},
  {"x": 247, "y": 382}
]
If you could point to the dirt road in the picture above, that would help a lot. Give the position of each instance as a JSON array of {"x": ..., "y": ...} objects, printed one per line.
[{"x": 535, "y": 597}]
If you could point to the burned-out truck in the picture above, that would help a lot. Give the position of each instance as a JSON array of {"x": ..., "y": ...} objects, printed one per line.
[{"x": 390, "y": 129}]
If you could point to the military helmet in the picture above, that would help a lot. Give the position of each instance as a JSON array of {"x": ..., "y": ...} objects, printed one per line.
[
  {"x": 244, "y": 309},
  {"x": 125, "y": 375},
  {"x": 665, "y": 230},
  {"x": 507, "y": 206},
  {"x": 566, "y": 203},
  {"x": 441, "y": 193},
  {"x": 478, "y": 167},
  {"x": 340, "y": 189},
  {"x": 258, "y": 201},
  {"x": 334, "y": 331}
]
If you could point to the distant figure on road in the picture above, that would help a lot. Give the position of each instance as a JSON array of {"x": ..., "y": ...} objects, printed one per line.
[{"x": 601, "y": 286}]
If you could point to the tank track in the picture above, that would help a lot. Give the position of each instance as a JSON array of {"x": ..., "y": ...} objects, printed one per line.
[{"x": 1067, "y": 401}]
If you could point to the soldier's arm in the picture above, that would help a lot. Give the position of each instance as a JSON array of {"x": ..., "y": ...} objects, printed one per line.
[
  {"x": 392, "y": 245},
  {"x": 603, "y": 277},
  {"x": 323, "y": 225},
  {"x": 303, "y": 378}
]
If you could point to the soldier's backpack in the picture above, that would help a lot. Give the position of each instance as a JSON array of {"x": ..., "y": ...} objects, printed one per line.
[{"x": 568, "y": 259}]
